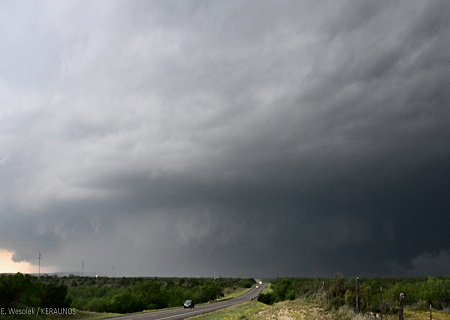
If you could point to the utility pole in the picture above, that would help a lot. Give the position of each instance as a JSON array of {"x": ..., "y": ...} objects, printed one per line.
[
  {"x": 112, "y": 271},
  {"x": 82, "y": 267},
  {"x": 39, "y": 265}
]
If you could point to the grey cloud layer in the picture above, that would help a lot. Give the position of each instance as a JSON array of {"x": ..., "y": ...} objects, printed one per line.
[{"x": 251, "y": 138}]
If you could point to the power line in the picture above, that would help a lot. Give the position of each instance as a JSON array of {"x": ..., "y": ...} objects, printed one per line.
[
  {"x": 74, "y": 265},
  {"x": 61, "y": 263}
]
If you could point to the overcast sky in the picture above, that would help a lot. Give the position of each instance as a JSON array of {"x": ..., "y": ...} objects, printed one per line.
[{"x": 228, "y": 138}]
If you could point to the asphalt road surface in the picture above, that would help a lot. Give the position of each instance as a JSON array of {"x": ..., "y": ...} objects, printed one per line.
[{"x": 181, "y": 313}]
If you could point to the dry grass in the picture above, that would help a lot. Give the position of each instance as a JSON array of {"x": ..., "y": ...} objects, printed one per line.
[
  {"x": 293, "y": 310},
  {"x": 304, "y": 309},
  {"x": 286, "y": 310},
  {"x": 425, "y": 315}
]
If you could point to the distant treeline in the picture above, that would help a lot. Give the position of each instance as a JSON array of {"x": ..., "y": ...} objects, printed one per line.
[
  {"x": 104, "y": 294},
  {"x": 132, "y": 295},
  {"x": 337, "y": 292}
]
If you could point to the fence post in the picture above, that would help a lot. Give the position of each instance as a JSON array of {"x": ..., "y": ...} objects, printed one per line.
[
  {"x": 381, "y": 302},
  {"x": 357, "y": 294},
  {"x": 400, "y": 309}
]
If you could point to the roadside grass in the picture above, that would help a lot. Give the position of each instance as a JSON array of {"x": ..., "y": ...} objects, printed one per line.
[
  {"x": 286, "y": 310},
  {"x": 79, "y": 315},
  {"x": 233, "y": 293},
  {"x": 294, "y": 309},
  {"x": 88, "y": 315},
  {"x": 242, "y": 311},
  {"x": 425, "y": 314},
  {"x": 306, "y": 309},
  {"x": 267, "y": 289}
]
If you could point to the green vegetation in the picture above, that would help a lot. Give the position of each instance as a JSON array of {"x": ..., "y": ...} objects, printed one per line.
[
  {"x": 268, "y": 288},
  {"x": 286, "y": 310},
  {"x": 138, "y": 294},
  {"x": 233, "y": 292},
  {"x": 288, "y": 298},
  {"x": 305, "y": 308},
  {"x": 335, "y": 299},
  {"x": 335, "y": 293},
  {"x": 242, "y": 311},
  {"x": 22, "y": 293},
  {"x": 109, "y": 295},
  {"x": 19, "y": 291}
]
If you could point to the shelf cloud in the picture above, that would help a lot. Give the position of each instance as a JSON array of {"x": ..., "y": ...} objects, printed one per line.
[{"x": 238, "y": 138}]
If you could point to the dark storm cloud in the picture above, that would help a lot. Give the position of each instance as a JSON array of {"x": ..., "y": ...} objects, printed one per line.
[{"x": 242, "y": 139}]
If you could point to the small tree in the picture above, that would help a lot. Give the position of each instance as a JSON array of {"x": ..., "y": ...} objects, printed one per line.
[{"x": 55, "y": 296}]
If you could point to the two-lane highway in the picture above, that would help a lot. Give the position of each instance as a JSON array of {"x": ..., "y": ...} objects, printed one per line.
[{"x": 181, "y": 313}]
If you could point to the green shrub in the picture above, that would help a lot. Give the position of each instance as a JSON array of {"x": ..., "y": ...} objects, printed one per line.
[
  {"x": 246, "y": 283},
  {"x": 267, "y": 298},
  {"x": 350, "y": 298},
  {"x": 335, "y": 303},
  {"x": 127, "y": 302},
  {"x": 55, "y": 296},
  {"x": 97, "y": 305}
]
